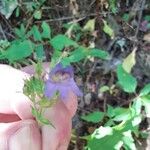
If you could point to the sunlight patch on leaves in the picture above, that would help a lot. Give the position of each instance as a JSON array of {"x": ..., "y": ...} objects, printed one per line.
[{"x": 129, "y": 61}]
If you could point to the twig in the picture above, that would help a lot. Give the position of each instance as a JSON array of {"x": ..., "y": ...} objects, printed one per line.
[
  {"x": 91, "y": 71},
  {"x": 72, "y": 17},
  {"x": 1, "y": 30},
  {"x": 139, "y": 19}
]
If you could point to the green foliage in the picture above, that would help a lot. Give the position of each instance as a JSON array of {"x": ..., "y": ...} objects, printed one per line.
[
  {"x": 129, "y": 62},
  {"x": 108, "y": 30},
  {"x": 122, "y": 125},
  {"x": 46, "y": 31},
  {"x": 126, "y": 17},
  {"x": 145, "y": 90},
  {"x": 113, "y": 5},
  {"x": 37, "y": 14},
  {"x": 98, "y": 53},
  {"x": 59, "y": 42},
  {"x": 18, "y": 51},
  {"x": 127, "y": 82},
  {"x": 147, "y": 17},
  {"x": 94, "y": 117},
  {"x": 90, "y": 25}
]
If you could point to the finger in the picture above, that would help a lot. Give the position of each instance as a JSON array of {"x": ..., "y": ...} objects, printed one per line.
[
  {"x": 12, "y": 99},
  {"x": 21, "y": 135},
  {"x": 60, "y": 118}
]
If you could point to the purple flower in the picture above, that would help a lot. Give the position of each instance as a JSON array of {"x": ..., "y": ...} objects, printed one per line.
[{"x": 61, "y": 79}]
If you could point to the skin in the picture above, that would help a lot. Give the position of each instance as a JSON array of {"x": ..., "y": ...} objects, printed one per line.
[{"x": 18, "y": 129}]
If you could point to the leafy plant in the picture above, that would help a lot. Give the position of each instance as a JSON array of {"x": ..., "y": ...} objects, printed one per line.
[{"x": 124, "y": 123}]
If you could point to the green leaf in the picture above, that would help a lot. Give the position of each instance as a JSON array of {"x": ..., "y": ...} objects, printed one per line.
[
  {"x": 128, "y": 141},
  {"x": 122, "y": 114},
  {"x": 136, "y": 120},
  {"x": 90, "y": 25},
  {"x": 37, "y": 14},
  {"x": 94, "y": 117},
  {"x": 34, "y": 112},
  {"x": 61, "y": 41},
  {"x": 102, "y": 132},
  {"x": 65, "y": 61},
  {"x": 78, "y": 54},
  {"x": 18, "y": 51},
  {"x": 39, "y": 50},
  {"x": 137, "y": 106},
  {"x": 145, "y": 90},
  {"x": 104, "y": 89},
  {"x": 113, "y": 5},
  {"x": 105, "y": 138},
  {"x": 146, "y": 104},
  {"x": 36, "y": 33},
  {"x": 46, "y": 30},
  {"x": 108, "y": 138},
  {"x": 108, "y": 30},
  {"x": 17, "y": 12},
  {"x": 110, "y": 111},
  {"x": 126, "y": 80},
  {"x": 147, "y": 17},
  {"x": 98, "y": 53},
  {"x": 21, "y": 32},
  {"x": 129, "y": 61},
  {"x": 126, "y": 17}
]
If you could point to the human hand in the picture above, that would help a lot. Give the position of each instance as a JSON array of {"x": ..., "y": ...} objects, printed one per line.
[{"x": 18, "y": 129}]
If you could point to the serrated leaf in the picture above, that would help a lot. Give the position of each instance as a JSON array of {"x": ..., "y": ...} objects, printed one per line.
[
  {"x": 46, "y": 30},
  {"x": 98, "y": 53},
  {"x": 94, "y": 117},
  {"x": 36, "y": 33},
  {"x": 78, "y": 54},
  {"x": 126, "y": 80},
  {"x": 21, "y": 32},
  {"x": 145, "y": 90},
  {"x": 108, "y": 30},
  {"x": 18, "y": 51},
  {"x": 39, "y": 50},
  {"x": 90, "y": 25},
  {"x": 129, "y": 61},
  {"x": 61, "y": 41}
]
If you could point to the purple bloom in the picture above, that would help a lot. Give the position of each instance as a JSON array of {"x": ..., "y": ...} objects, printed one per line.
[{"x": 61, "y": 79}]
